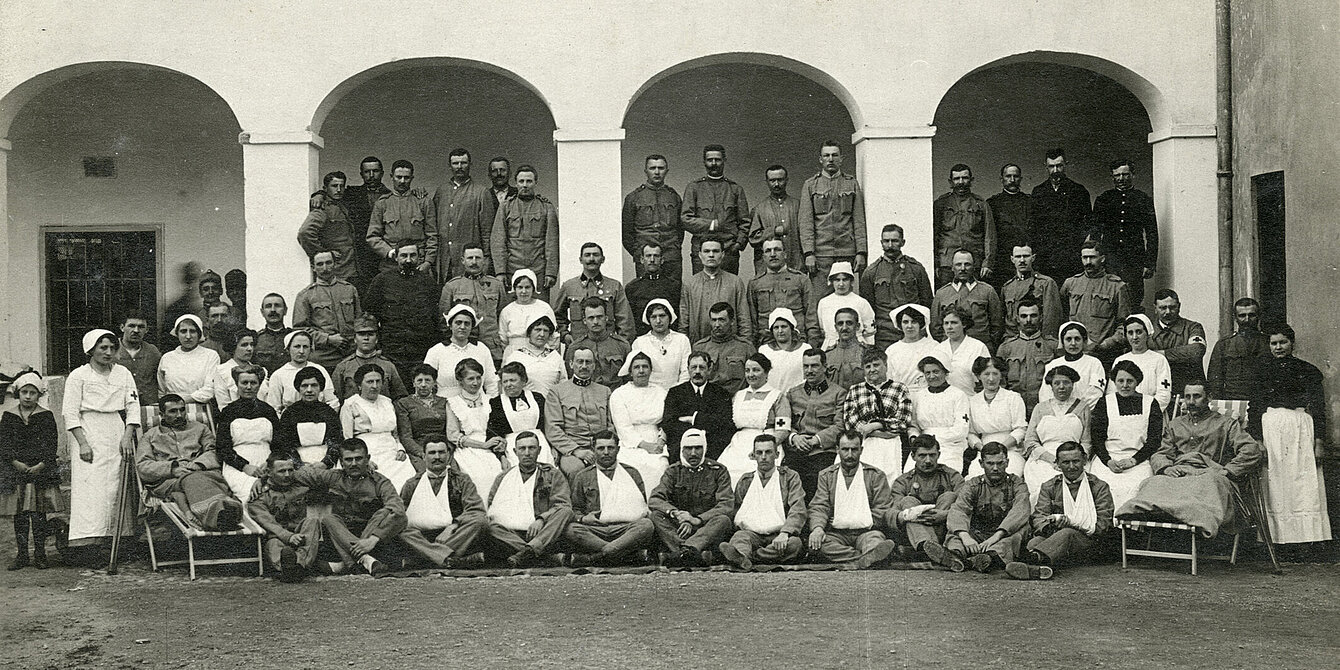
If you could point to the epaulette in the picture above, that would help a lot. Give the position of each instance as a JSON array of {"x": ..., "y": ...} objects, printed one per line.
[{"x": 1113, "y": 278}]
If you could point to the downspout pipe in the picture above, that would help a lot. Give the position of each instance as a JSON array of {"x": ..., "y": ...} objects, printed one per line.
[{"x": 1224, "y": 142}]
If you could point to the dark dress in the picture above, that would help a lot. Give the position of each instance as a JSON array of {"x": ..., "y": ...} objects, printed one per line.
[
  {"x": 416, "y": 418},
  {"x": 286, "y": 435},
  {"x": 29, "y": 442}
]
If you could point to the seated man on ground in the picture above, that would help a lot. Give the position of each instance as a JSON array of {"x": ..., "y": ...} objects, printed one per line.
[
  {"x": 922, "y": 497},
  {"x": 1201, "y": 454},
  {"x": 443, "y": 511},
  {"x": 1073, "y": 508},
  {"x": 530, "y": 506},
  {"x": 850, "y": 509},
  {"x": 770, "y": 511},
  {"x": 280, "y": 507},
  {"x": 988, "y": 521},
  {"x": 610, "y": 506},
  {"x": 691, "y": 507},
  {"x": 177, "y": 462},
  {"x": 366, "y": 512}
]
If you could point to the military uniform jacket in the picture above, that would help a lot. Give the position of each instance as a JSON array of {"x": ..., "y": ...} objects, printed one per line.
[
  {"x": 722, "y": 200},
  {"x": 464, "y": 216},
  {"x": 1127, "y": 226},
  {"x": 586, "y": 491},
  {"x": 785, "y": 288},
  {"x": 573, "y": 414},
  {"x": 611, "y": 351},
  {"x": 1041, "y": 288},
  {"x": 844, "y": 364},
  {"x": 793, "y": 497},
  {"x": 568, "y": 305},
  {"x": 279, "y": 511},
  {"x": 525, "y": 235},
  {"x": 770, "y": 215},
  {"x": 651, "y": 214},
  {"x": 925, "y": 489},
  {"x": 986, "y": 508},
  {"x": 818, "y": 411},
  {"x": 485, "y": 295},
  {"x": 551, "y": 490},
  {"x": 703, "y": 491},
  {"x": 832, "y": 216},
  {"x": 462, "y": 496},
  {"x": 1100, "y": 303},
  {"x": 324, "y": 310},
  {"x": 1183, "y": 344},
  {"x": 980, "y": 301},
  {"x": 876, "y": 489},
  {"x": 964, "y": 223},
  {"x": 727, "y": 369},
  {"x": 397, "y": 219},
  {"x": 330, "y": 229},
  {"x": 887, "y": 285},
  {"x": 1011, "y": 211},
  {"x": 1026, "y": 359}
]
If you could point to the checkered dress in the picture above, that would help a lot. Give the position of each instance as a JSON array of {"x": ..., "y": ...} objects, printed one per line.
[{"x": 889, "y": 402}]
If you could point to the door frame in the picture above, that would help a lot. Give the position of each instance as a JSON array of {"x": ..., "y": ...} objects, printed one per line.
[{"x": 43, "y": 250}]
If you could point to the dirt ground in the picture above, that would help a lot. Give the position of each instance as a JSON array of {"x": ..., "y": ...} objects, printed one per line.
[{"x": 1154, "y": 615}]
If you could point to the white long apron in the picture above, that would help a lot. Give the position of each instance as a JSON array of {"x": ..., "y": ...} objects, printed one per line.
[
  {"x": 312, "y": 442},
  {"x": 1053, "y": 431},
  {"x": 251, "y": 440},
  {"x": 375, "y": 424},
  {"x": 524, "y": 419},
  {"x": 1295, "y": 490},
  {"x": 1125, "y": 436},
  {"x": 482, "y": 465},
  {"x": 751, "y": 420},
  {"x": 93, "y": 486}
]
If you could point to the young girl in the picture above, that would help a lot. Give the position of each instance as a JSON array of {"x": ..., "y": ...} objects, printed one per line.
[{"x": 28, "y": 463}]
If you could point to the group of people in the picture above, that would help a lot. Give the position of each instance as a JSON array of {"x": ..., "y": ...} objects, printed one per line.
[{"x": 696, "y": 417}]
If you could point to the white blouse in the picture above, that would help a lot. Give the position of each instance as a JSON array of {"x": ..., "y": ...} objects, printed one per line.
[
  {"x": 1157, "y": 383},
  {"x": 787, "y": 366},
  {"x": 669, "y": 357},
  {"x": 828, "y": 309},
  {"x": 188, "y": 373},
  {"x": 87, "y": 390},
  {"x": 515, "y": 318},
  {"x": 903, "y": 358},
  {"x": 1004, "y": 414},
  {"x": 959, "y": 361},
  {"x": 544, "y": 370},
  {"x": 279, "y": 392},
  {"x": 1092, "y": 379},
  {"x": 943, "y": 414},
  {"x": 636, "y": 413},
  {"x": 445, "y": 356}
]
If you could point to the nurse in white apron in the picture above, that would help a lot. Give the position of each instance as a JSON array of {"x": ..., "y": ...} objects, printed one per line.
[
  {"x": 476, "y": 454},
  {"x": 101, "y": 409},
  {"x": 941, "y": 409},
  {"x": 1125, "y": 428},
  {"x": 635, "y": 411},
  {"x": 515, "y": 410},
  {"x": 370, "y": 416},
  {"x": 309, "y": 428},
  {"x": 756, "y": 408},
  {"x": 247, "y": 428},
  {"x": 1059, "y": 419},
  {"x": 996, "y": 414}
]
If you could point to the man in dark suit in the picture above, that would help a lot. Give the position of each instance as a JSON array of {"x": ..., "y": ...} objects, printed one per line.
[{"x": 698, "y": 403}]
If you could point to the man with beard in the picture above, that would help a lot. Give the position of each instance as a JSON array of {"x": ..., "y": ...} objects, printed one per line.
[
  {"x": 1124, "y": 221},
  {"x": 691, "y": 506},
  {"x": 652, "y": 283},
  {"x": 1100, "y": 300},
  {"x": 443, "y": 511},
  {"x": 403, "y": 216},
  {"x": 977, "y": 298},
  {"x": 1059, "y": 219},
  {"x": 727, "y": 351},
  {"x": 963, "y": 220},
  {"x": 211, "y": 294},
  {"x": 987, "y": 522},
  {"x": 465, "y": 209},
  {"x": 1027, "y": 353},
  {"x": 609, "y": 506},
  {"x": 326, "y": 309},
  {"x": 177, "y": 462},
  {"x": 714, "y": 208},
  {"x": 777, "y": 218},
  {"x": 832, "y": 219},
  {"x": 651, "y": 216},
  {"x": 139, "y": 357},
  {"x": 366, "y": 511},
  {"x": 270, "y": 352},
  {"x": 481, "y": 291},
  {"x": 525, "y": 233},
  {"x": 697, "y": 403},
  {"x": 591, "y": 283},
  {"x": 893, "y": 280},
  {"x": 1232, "y": 375},
  {"x": 218, "y": 331},
  {"x": 845, "y": 356},
  {"x": 280, "y": 507},
  {"x": 404, "y": 300},
  {"x": 1028, "y": 283},
  {"x": 1011, "y": 209},
  {"x": 500, "y": 178},
  {"x": 575, "y": 410},
  {"x": 530, "y": 506},
  {"x": 769, "y": 511},
  {"x": 779, "y": 286},
  {"x": 329, "y": 228},
  {"x": 850, "y": 509}
]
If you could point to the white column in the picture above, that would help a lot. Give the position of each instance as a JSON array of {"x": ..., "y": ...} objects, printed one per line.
[
  {"x": 589, "y": 197},
  {"x": 6, "y": 319},
  {"x": 894, "y": 167},
  {"x": 280, "y": 173},
  {"x": 1185, "y": 199}
]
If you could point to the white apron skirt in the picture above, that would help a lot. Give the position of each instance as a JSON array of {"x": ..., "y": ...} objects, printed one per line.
[
  {"x": 1038, "y": 471},
  {"x": 382, "y": 450},
  {"x": 93, "y": 486},
  {"x": 1015, "y": 466},
  {"x": 650, "y": 466},
  {"x": 738, "y": 456},
  {"x": 884, "y": 454},
  {"x": 1295, "y": 491},
  {"x": 313, "y": 438},
  {"x": 240, "y": 482},
  {"x": 1123, "y": 484},
  {"x": 481, "y": 465}
]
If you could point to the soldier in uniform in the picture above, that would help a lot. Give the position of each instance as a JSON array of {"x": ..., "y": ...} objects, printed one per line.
[
  {"x": 692, "y": 504},
  {"x": 591, "y": 284},
  {"x": 963, "y": 220},
  {"x": 1027, "y": 352},
  {"x": 326, "y": 309},
  {"x": 706, "y": 288},
  {"x": 893, "y": 280},
  {"x": 781, "y": 286},
  {"x": 465, "y": 209},
  {"x": 1099, "y": 300},
  {"x": 500, "y": 176},
  {"x": 776, "y": 218},
  {"x": 481, "y": 291},
  {"x": 404, "y": 215},
  {"x": 728, "y": 350},
  {"x": 359, "y": 201},
  {"x": 367, "y": 349},
  {"x": 1232, "y": 375},
  {"x": 977, "y": 298},
  {"x": 987, "y": 522},
  {"x": 270, "y": 352},
  {"x": 1059, "y": 219},
  {"x": 1028, "y": 283},
  {"x": 1181, "y": 341},
  {"x": 714, "y": 208},
  {"x": 932, "y": 483},
  {"x": 832, "y": 219},
  {"x": 525, "y": 233},
  {"x": 403, "y": 302},
  {"x": 651, "y": 284},
  {"x": 651, "y": 216},
  {"x": 329, "y": 228},
  {"x": 816, "y": 421},
  {"x": 844, "y": 357},
  {"x": 575, "y": 410},
  {"x": 1125, "y": 223},
  {"x": 610, "y": 349},
  {"x": 1011, "y": 209}
]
